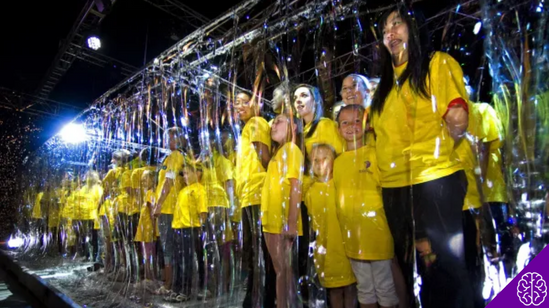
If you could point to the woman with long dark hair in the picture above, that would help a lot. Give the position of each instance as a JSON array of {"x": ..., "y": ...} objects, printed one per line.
[
  {"x": 419, "y": 114},
  {"x": 308, "y": 104}
]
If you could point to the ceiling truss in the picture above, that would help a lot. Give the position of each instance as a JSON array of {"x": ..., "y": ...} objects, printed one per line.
[
  {"x": 180, "y": 11},
  {"x": 33, "y": 105},
  {"x": 73, "y": 48}
]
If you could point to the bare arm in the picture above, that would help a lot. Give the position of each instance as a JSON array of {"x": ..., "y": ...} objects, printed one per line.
[
  {"x": 106, "y": 192},
  {"x": 151, "y": 210},
  {"x": 168, "y": 184},
  {"x": 137, "y": 195},
  {"x": 229, "y": 188},
  {"x": 295, "y": 203},
  {"x": 484, "y": 157},
  {"x": 457, "y": 120},
  {"x": 263, "y": 153}
]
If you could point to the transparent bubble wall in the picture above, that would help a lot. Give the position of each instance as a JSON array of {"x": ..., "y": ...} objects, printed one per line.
[{"x": 168, "y": 140}]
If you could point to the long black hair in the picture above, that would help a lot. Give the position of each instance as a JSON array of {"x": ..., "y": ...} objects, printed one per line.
[{"x": 419, "y": 56}]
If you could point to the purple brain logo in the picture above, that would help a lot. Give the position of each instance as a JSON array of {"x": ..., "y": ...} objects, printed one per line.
[{"x": 531, "y": 289}]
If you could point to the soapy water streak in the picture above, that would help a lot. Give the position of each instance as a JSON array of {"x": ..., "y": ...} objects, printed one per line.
[
  {"x": 517, "y": 54},
  {"x": 193, "y": 86}
]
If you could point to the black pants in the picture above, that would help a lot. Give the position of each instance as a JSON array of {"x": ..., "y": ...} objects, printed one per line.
[
  {"x": 187, "y": 244},
  {"x": 129, "y": 225},
  {"x": 473, "y": 256},
  {"x": 39, "y": 226},
  {"x": 432, "y": 210},
  {"x": 126, "y": 226},
  {"x": 305, "y": 261},
  {"x": 95, "y": 244},
  {"x": 83, "y": 229},
  {"x": 255, "y": 254},
  {"x": 500, "y": 213},
  {"x": 218, "y": 251},
  {"x": 125, "y": 230},
  {"x": 507, "y": 241},
  {"x": 57, "y": 239}
]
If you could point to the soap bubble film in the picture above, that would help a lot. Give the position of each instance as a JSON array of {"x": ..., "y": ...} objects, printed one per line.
[{"x": 304, "y": 154}]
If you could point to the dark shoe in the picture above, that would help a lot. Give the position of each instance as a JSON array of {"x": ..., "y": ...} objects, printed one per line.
[{"x": 95, "y": 267}]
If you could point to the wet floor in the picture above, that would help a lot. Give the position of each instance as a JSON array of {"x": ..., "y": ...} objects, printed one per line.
[
  {"x": 8, "y": 298},
  {"x": 97, "y": 290}
]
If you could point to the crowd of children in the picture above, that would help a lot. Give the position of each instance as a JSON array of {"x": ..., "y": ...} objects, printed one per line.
[{"x": 369, "y": 193}]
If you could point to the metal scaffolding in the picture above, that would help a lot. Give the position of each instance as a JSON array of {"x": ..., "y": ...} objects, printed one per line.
[
  {"x": 101, "y": 60},
  {"x": 180, "y": 11},
  {"x": 33, "y": 105},
  {"x": 88, "y": 19}
]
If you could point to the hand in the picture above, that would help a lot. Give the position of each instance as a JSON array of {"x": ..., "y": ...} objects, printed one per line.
[
  {"x": 493, "y": 255},
  {"x": 457, "y": 120},
  {"x": 290, "y": 232},
  {"x": 157, "y": 210}
]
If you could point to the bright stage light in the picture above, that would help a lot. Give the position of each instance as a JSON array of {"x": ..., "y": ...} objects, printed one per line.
[
  {"x": 15, "y": 242},
  {"x": 94, "y": 42},
  {"x": 73, "y": 133},
  {"x": 477, "y": 27}
]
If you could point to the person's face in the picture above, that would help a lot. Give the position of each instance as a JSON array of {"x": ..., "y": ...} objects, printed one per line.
[
  {"x": 91, "y": 179},
  {"x": 304, "y": 102},
  {"x": 279, "y": 129},
  {"x": 350, "y": 125},
  {"x": 146, "y": 181},
  {"x": 172, "y": 142},
  {"x": 395, "y": 35},
  {"x": 227, "y": 139},
  {"x": 353, "y": 91},
  {"x": 244, "y": 107},
  {"x": 175, "y": 141},
  {"x": 322, "y": 160},
  {"x": 115, "y": 160},
  {"x": 190, "y": 176}
]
